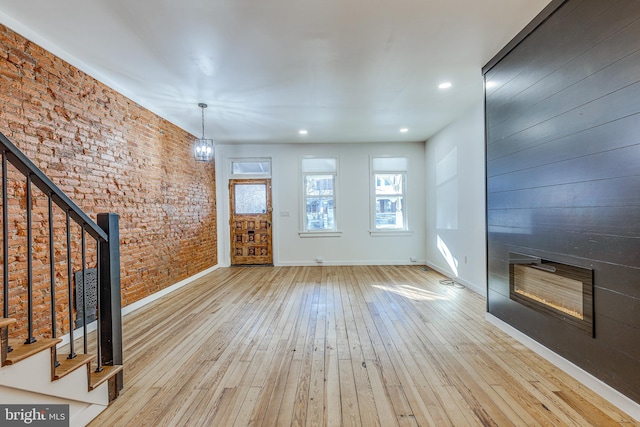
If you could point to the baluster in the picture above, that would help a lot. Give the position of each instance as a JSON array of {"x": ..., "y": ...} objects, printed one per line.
[
  {"x": 72, "y": 353},
  {"x": 84, "y": 292},
  {"x": 99, "y": 321},
  {"x": 52, "y": 274},
  {"x": 30, "y": 338},
  {"x": 5, "y": 247}
]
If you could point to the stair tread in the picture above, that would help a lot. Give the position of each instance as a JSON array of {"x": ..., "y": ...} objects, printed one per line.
[
  {"x": 97, "y": 378},
  {"x": 21, "y": 350},
  {"x": 6, "y": 321},
  {"x": 69, "y": 365}
]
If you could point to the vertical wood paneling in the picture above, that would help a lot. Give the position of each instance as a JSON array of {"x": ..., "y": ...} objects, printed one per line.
[{"x": 563, "y": 168}]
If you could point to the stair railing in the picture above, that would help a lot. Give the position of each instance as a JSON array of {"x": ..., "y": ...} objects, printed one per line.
[{"x": 105, "y": 233}]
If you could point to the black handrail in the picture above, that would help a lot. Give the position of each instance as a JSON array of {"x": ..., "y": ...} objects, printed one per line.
[
  {"x": 40, "y": 180},
  {"x": 106, "y": 235}
]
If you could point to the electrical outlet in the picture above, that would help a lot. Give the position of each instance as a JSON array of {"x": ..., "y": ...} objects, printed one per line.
[
  {"x": 413, "y": 259},
  {"x": 319, "y": 260}
]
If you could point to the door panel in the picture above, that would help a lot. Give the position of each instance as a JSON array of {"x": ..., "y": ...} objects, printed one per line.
[{"x": 250, "y": 221}]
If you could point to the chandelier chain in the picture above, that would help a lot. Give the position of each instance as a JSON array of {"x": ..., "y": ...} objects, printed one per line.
[{"x": 202, "y": 107}]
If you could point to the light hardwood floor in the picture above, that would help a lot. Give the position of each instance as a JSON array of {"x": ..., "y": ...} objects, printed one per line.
[{"x": 332, "y": 346}]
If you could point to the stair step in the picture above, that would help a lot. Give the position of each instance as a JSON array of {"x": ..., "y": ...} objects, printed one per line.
[
  {"x": 21, "y": 350},
  {"x": 97, "y": 378},
  {"x": 6, "y": 321},
  {"x": 69, "y": 365}
]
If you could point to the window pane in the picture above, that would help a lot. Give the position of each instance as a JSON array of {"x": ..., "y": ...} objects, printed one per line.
[
  {"x": 250, "y": 167},
  {"x": 389, "y": 183},
  {"x": 250, "y": 198},
  {"x": 389, "y": 212},
  {"x": 320, "y": 213},
  {"x": 318, "y": 185},
  {"x": 319, "y": 193}
]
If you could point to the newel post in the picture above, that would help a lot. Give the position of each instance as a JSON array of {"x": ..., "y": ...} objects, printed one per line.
[{"x": 110, "y": 295}]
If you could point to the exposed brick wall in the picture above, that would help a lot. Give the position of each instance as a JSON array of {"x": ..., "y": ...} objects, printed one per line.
[{"x": 109, "y": 155}]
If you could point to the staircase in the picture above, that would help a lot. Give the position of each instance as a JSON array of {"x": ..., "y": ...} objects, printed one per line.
[{"x": 42, "y": 251}]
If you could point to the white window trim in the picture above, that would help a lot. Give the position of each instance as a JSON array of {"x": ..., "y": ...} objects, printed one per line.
[
  {"x": 381, "y": 232},
  {"x": 336, "y": 232},
  {"x": 319, "y": 233}
]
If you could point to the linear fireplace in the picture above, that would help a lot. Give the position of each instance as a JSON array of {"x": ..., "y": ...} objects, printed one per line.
[{"x": 556, "y": 289}]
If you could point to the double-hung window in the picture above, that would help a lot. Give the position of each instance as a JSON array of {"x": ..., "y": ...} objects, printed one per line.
[
  {"x": 319, "y": 184},
  {"x": 389, "y": 193}
]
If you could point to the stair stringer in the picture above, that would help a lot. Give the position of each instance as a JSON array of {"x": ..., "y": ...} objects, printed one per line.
[{"x": 29, "y": 381}]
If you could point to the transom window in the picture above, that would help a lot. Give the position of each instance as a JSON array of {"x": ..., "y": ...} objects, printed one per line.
[{"x": 251, "y": 167}]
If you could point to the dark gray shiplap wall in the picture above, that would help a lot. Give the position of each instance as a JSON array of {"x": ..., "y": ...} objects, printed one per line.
[{"x": 563, "y": 176}]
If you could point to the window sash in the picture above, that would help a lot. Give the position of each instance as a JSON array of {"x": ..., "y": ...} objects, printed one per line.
[
  {"x": 389, "y": 201},
  {"x": 320, "y": 202}
]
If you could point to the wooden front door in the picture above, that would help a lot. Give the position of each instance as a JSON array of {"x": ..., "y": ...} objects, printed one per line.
[{"x": 250, "y": 221}]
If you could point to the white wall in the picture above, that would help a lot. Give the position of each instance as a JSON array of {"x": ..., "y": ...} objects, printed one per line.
[
  {"x": 455, "y": 235},
  {"x": 355, "y": 246}
]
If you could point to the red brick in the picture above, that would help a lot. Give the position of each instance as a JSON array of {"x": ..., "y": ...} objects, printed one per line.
[{"x": 109, "y": 155}]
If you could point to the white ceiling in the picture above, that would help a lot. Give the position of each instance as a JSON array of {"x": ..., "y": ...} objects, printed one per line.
[{"x": 345, "y": 70}]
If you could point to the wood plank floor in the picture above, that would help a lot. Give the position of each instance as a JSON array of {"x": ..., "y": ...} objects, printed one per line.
[{"x": 336, "y": 346}]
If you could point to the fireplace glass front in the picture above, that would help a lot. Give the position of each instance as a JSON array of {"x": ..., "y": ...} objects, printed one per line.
[{"x": 560, "y": 290}]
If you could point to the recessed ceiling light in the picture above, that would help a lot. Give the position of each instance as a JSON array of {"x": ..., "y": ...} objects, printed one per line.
[
  {"x": 404, "y": 130},
  {"x": 303, "y": 132},
  {"x": 445, "y": 85}
]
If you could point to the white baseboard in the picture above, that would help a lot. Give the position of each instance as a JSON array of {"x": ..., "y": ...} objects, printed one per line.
[
  {"x": 144, "y": 301},
  {"x": 79, "y": 333},
  {"x": 606, "y": 391}
]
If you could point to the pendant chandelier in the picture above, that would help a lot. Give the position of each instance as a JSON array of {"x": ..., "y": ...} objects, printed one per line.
[{"x": 203, "y": 148}]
